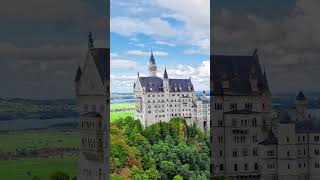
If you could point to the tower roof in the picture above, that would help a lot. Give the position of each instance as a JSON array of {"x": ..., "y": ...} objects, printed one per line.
[
  {"x": 301, "y": 96},
  {"x": 152, "y": 58},
  {"x": 165, "y": 74}
]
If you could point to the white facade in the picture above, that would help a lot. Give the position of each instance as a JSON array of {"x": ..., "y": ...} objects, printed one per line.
[
  {"x": 248, "y": 140},
  {"x": 297, "y": 147},
  {"x": 161, "y": 99},
  {"x": 92, "y": 92}
]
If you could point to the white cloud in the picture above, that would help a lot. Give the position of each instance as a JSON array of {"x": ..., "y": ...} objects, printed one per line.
[
  {"x": 145, "y": 53},
  {"x": 121, "y": 63},
  {"x": 165, "y": 43},
  {"x": 128, "y": 26}
]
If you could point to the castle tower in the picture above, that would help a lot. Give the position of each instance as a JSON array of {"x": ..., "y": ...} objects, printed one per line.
[
  {"x": 165, "y": 80},
  {"x": 152, "y": 66},
  {"x": 93, "y": 97},
  {"x": 301, "y": 108}
]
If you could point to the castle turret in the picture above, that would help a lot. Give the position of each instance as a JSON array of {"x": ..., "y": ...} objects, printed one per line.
[
  {"x": 165, "y": 80},
  {"x": 152, "y": 66},
  {"x": 301, "y": 108}
]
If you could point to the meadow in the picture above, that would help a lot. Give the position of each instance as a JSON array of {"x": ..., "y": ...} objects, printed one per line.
[
  {"x": 26, "y": 169},
  {"x": 35, "y": 139}
]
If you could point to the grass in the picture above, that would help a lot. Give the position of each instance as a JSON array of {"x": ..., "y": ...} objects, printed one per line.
[
  {"x": 38, "y": 139},
  {"x": 116, "y": 115},
  {"x": 121, "y": 106},
  {"x": 17, "y": 169}
]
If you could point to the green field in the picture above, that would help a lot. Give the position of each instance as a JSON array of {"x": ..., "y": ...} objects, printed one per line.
[
  {"x": 121, "y": 106},
  {"x": 18, "y": 169},
  {"x": 116, "y": 115},
  {"x": 38, "y": 139}
]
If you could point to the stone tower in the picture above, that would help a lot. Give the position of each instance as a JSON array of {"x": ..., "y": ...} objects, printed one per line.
[
  {"x": 152, "y": 66},
  {"x": 301, "y": 108},
  {"x": 92, "y": 93},
  {"x": 165, "y": 81}
]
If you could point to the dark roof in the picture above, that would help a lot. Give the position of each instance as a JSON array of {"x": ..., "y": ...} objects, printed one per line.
[
  {"x": 78, "y": 75},
  {"x": 237, "y": 70},
  {"x": 165, "y": 74},
  {"x": 270, "y": 140},
  {"x": 91, "y": 114},
  {"x": 152, "y": 58},
  {"x": 311, "y": 126},
  {"x": 101, "y": 57},
  {"x": 175, "y": 85},
  {"x": 242, "y": 111},
  {"x": 301, "y": 97}
]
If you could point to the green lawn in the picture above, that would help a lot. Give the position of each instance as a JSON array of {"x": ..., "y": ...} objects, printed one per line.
[
  {"x": 116, "y": 115},
  {"x": 121, "y": 106},
  {"x": 17, "y": 169},
  {"x": 38, "y": 139}
]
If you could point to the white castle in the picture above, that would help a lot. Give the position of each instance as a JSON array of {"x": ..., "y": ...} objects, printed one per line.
[
  {"x": 161, "y": 99},
  {"x": 92, "y": 92},
  {"x": 247, "y": 141}
]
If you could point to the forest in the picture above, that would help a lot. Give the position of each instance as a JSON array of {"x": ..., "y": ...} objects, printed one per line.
[{"x": 165, "y": 150}]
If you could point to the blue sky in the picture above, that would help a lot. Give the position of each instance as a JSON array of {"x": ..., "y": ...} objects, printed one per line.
[{"x": 177, "y": 33}]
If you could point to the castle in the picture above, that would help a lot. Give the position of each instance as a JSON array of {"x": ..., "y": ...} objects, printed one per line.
[
  {"x": 92, "y": 91},
  {"x": 161, "y": 99},
  {"x": 247, "y": 142}
]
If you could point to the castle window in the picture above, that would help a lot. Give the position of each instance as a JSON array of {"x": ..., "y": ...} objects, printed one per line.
[
  {"x": 245, "y": 152},
  {"x": 221, "y": 167},
  {"x": 288, "y": 166},
  {"x": 316, "y": 138},
  {"x": 316, "y": 151},
  {"x": 288, "y": 153},
  {"x": 287, "y": 139},
  {"x": 256, "y": 166},
  {"x": 316, "y": 165},
  {"x": 235, "y": 153},
  {"x": 246, "y": 167},
  {"x": 220, "y": 153},
  {"x": 255, "y": 152},
  {"x": 235, "y": 167}
]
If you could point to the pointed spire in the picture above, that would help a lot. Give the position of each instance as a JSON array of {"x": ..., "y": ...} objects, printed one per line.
[
  {"x": 90, "y": 41},
  {"x": 152, "y": 58},
  {"x": 165, "y": 74},
  {"x": 301, "y": 96}
]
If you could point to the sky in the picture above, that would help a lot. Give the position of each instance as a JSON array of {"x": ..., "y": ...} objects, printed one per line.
[
  {"x": 286, "y": 34},
  {"x": 176, "y": 31},
  {"x": 42, "y": 42}
]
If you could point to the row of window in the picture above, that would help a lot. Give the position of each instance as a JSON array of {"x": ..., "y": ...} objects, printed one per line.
[
  {"x": 90, "y": 124},
  {"x": 245, "y": 123},
  {"x": 172, "y": 95},
  {"x": 237, "y": 168},
  {"x": 89, "y": 142},
  {"x": 302, "y": 138},
  {"x": 172, "y": 100}
]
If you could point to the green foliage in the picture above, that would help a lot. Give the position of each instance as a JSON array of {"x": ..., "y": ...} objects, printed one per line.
[
  {"x": 165, "y": 150},
  {"x": 177, "y": 177},
  {"x": 59, "y": 175}
]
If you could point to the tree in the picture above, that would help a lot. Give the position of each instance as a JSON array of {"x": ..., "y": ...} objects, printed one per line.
[
  {"x": 59, "y": 175},
  {"x": 178, "y": 177}
]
